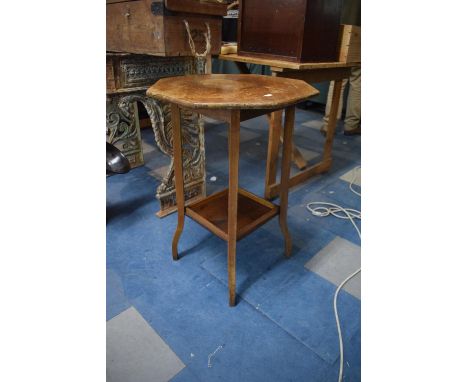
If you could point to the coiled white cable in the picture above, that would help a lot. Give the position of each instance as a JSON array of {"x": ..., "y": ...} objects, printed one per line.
[{"x": 349, "y": 214}]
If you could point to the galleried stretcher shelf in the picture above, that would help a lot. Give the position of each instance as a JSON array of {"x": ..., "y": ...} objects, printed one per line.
[{"x": 212, "y": 213}]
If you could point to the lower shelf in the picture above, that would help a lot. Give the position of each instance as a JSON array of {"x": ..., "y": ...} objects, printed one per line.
[{"x": 212, "y": 213}]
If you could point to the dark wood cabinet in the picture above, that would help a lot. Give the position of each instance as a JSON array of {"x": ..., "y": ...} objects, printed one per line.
[
  {"x": 293, "y": 30},
  {"x": 156, "y": 27}
]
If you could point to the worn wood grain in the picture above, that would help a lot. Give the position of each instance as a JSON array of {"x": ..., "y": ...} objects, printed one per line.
[
  {"x": 293, "y": 30},
  {"x": 282, "y": 64},
  {"x": 234, "y": 142},
  {"x": 350, "y": 44},
  {"x": 274, "y": 134},
  {"x": 316, "y": 75},
  {"x": 132, "y": 27},
  {"x": 197, "y": 6},
  {"x": 231, "y": 91},
  {"x": 285, "y": 169}
]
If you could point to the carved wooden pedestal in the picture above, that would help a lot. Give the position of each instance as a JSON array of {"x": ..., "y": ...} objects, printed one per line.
[
  {"x": 123, "y": 129},
  {"x": 128, "y": 77}
]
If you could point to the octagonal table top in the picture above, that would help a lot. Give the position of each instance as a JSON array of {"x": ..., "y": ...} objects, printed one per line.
[{"x": 231, "y": 91}]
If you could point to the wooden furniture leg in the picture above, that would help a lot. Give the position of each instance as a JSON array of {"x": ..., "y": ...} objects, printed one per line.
[
  {"x": 208, "y": 64},
  {"x": 327, "y": 151},
  {"x": 274, "y": 134},
  {"x": 179, "y": 177},
  {"x": 285, "y": 168},
  {"x": 297, "y": 157},
  {"x": 274, "y": 139},
  {"x": 272, "y": 189},
  {"x": 234, "y": 141}
]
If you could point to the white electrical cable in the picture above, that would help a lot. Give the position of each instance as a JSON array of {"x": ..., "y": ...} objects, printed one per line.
[
  {"x": 213, "y": 354},
  {"x": 349, "y": 214}
]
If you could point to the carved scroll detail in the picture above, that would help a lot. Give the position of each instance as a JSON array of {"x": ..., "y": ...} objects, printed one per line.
[
  {"x": 193, "y": 146},
  {"x": 129, "y": 75},
  {"x": 122, "y": 130}
]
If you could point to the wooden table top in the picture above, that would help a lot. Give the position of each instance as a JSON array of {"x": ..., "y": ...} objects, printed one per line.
[
  {"x": 231, "y": 91},
  {"x": 286, "y": 64}
]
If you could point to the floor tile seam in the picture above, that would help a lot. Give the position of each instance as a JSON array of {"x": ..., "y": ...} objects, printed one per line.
[
  {"x": 334, "y": 285},
  {"x": 324, "y": 280},
  {"x": 298, "y": 339},
  {"x": 330, "y": 231},
  {"x": 158, "y": 334},
  {"x": 264, "y": 314},
  {"x": 191, "y": 365},
  {"x": 192, "y": 372},
  {"x": 353, "y": 299}
]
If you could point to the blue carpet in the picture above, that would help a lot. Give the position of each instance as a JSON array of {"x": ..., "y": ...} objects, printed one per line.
[{"x": 283, "y": 327}]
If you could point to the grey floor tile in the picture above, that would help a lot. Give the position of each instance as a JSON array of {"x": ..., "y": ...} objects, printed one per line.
[
  {"x": 348, "y": 177},
  {"x": 136, "y": 353},
  {"x": 336, "y": 261}
]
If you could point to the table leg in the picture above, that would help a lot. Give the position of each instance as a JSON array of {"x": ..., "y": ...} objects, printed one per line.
[
  {"x": 274, "y": 135},
  {"x": 272, "y": 189},
  {"x": 234, "y": 140},
  {"x": 274, "y": 139},
  {"x": 179, "y": 177},
  {"x": 331, "y": 127},
  {"x": 285, "y": 169},
  {"x": 297, "y": 157}
]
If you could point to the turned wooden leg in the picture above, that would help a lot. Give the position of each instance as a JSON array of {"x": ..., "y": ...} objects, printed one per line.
[
  {"x": 274, "y": 134},
  {"x": 284, "y": 186},
  {"x": 232, "y": 202},
  {"x": 179, "y": 177},
  {"x": 331, "y": 126}
]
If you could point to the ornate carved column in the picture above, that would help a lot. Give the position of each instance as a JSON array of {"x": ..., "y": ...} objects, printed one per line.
[
  {"x": 123, "y": 129},
  {"x": 128, "y": 77}
]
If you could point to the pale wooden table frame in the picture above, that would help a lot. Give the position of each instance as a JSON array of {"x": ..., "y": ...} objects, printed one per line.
[
  {"x": 232, "y": 213},
  {"x": 233, "y": 118},
  {"x": 309, "y": 72}
]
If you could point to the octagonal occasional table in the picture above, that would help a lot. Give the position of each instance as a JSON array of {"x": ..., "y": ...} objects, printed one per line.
[{"x": 233, "y": 213}]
